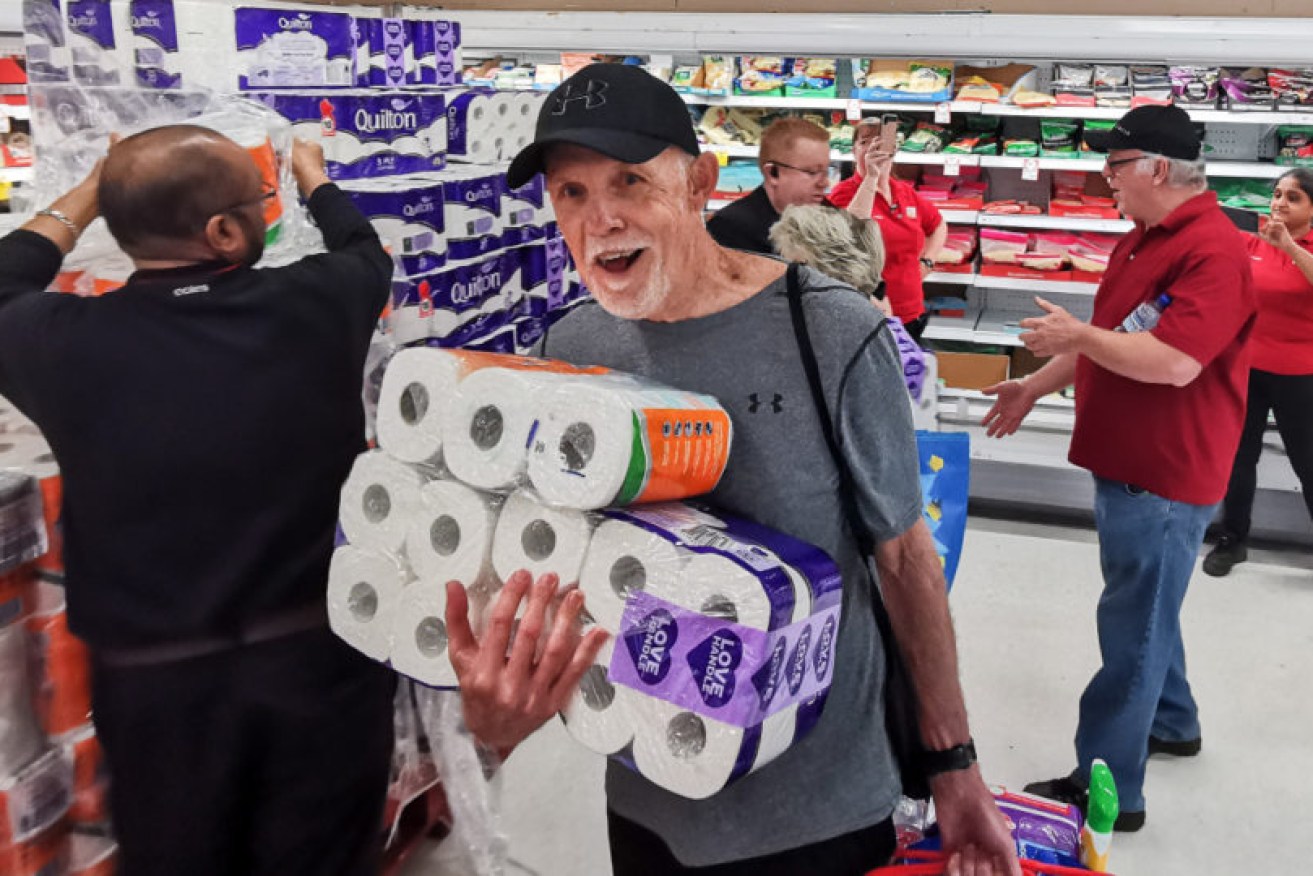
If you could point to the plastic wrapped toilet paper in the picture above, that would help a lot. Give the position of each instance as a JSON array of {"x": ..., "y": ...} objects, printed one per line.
[
  {"x": 424, "y": 47},
  {"x": 407, "y": 212},
  {"x": 369, "y": 134},
  {"x": 156, "y": 61},
  {"x": 418, "y": 390},
  {"x": 618, "y": 440},
  {"x": 469, "y": 300},
  {"x": 45, "y": 42},
  {"x": 450, "y": 538},
  {"x": 472, "y": 210},
  {"x": 495, "y": 412},
  {"x": 601, "y": 716},
  {"x": 690, "y": 754},
  {"x": 533, "y": 536},
  {"x": 93, "y": 38},
  {"x": 379, "y": 500},
  {"x": 528, "y": 212},
  {"x": 287, "y": 48},
  {"x": 419, "y": 635},
  {"x": 364, "y": 592},
  {"x": 391, "y": 53},
  {"x": 624, "y": 559},
  {"x": 476, "y": 127}
]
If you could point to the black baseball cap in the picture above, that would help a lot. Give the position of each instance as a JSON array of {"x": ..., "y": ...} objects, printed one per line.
[
  {"x": 619, "y": 110},
  {"x": 1163, "y": 130}
]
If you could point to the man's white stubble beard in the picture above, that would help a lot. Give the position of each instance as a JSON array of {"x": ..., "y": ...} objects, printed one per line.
[{"x": 638, "y": 303}]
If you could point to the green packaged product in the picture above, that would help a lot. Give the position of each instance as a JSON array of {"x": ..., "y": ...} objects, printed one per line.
[
  {"x": 1021, "y": 148},
  {"x": 926, "y": 137},
  {"x": 1059, "y": 135}
]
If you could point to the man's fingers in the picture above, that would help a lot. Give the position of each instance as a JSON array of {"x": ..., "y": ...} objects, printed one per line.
[
  {"x": 461, "y": 644},
  {"x": 564, "y": 638},
  {"x": 501, "y": 618},
  {"x": 530, "y": 628},
  {"x": 1032, "y": 322},
  {"x": 1046, "y": 306},
  {"x": 585, "y": 655}
]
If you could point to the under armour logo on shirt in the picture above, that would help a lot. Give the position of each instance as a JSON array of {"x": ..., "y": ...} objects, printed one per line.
[
  {"x": 776, "y": 403},
  {"x": 593, "y": 96}
]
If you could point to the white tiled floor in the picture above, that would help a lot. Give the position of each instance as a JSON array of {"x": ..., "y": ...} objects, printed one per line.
[{"x": 1024, "y": 607}]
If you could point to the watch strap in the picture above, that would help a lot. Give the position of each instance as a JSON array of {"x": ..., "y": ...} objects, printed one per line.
[{"x": 959, "y": 757}]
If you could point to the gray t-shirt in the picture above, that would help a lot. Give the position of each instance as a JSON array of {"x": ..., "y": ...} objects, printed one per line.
[{"x": 841, "y": 777}]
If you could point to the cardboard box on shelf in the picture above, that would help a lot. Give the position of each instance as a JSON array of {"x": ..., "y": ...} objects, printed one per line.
[
  {"x": 972, "y": 370},
  {"x": 1025, "y": 362}
]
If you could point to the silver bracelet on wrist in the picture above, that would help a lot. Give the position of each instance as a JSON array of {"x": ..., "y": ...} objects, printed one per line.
[{"x": 61, "y": 218}]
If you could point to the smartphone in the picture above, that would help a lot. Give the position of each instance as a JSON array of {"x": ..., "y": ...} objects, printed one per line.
[{"x": 889, "y": 134}]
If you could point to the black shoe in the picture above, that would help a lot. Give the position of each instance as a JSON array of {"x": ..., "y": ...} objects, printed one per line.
[
  {"x": 1067, "y": 790},
  {"x": 1128, "y": 822},
  {"x": 1064, "y": 790},
  {"x": 1184, "y": 748},
  {"x": 1225, "y": 556}
]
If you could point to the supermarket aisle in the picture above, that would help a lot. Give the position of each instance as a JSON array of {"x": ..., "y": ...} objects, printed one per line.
[{"x": 1024, "y": 606}]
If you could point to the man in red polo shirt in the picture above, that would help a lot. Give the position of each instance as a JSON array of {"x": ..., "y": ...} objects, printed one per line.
[{"x": 1161, "y": 374}]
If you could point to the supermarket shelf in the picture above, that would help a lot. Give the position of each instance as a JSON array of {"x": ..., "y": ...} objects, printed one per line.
[
  {"x": 1237, "y": 117},
  {"x": 1256, "y": 169},
  {"x": 15, "y": 174},
  {"x": 959, "y": 217},
  {"x": 1057, "y": 223},
  {"x": 949, "y": 333},
  {"x": 1059, "y": 286},
  {"x": 22, "y": 112},
  {"x": 742, "y": 150},
  {"x": 1012, "y": 161},
  {"x": 1052, "y": 400},
  {"x": 950, "y": 278}
]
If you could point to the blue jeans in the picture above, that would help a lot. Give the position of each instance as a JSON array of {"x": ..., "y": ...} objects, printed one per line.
[{"x": 1147, "y": 548}]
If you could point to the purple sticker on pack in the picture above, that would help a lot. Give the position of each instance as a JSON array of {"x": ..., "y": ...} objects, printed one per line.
[
  {"x": 367, "y": 135},
  {"x": 91, "y": 37},
  {"x": 389, "y": 51},
  {"x": 557, "y": 259},
  {"x": 446, "y": 35},
  {"x": 447, "y": 68},
  {"x": 284, "y": 48},
  {"x": 155, "y": 44},
  {"x": 706, "y": 665},
  {"x": 528, "y": 332}
]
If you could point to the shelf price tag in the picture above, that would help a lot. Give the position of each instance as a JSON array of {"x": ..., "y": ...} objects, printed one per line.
[
  {"x": 722, "y": 158},
  {"x": 952, "y": 165},
  {"x": 1030, "y": 169},
  {"x": 854, "y": 110},
  {"x": 943, "y": 113}
]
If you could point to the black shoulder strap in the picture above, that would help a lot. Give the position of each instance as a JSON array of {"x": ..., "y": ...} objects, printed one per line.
[{"x": 847, "y": 492}]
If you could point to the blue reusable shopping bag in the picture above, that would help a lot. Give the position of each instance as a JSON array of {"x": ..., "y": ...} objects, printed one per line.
[{"x": 945, "y": 483}]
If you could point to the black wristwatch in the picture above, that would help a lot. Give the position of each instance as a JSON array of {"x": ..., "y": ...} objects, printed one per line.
[
  {"x": 929, "y": 263},
  {"x": 959, "y": 757}
]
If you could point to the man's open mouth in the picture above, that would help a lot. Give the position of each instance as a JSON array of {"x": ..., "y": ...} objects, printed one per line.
[{"x": 618, "y": 262}]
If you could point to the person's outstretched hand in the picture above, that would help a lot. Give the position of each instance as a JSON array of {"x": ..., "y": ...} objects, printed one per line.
[
  {"x": 1013, "y": 400},
  {"x": 507, "y": 694}
]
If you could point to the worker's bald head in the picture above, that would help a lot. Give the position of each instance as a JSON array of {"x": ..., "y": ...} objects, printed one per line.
[{"x": 160, "y": 188}]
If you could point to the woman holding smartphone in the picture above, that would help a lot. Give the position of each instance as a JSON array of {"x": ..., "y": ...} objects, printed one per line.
[
  {"x": 1281, "y": 365},
  {"x": 912, "y": 228}
]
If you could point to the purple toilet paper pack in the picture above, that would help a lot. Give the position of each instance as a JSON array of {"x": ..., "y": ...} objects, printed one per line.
[
  {"x": 284, "y": 48},
  {"x": 45, "y": 41},
  {"x": 407, "y": 213},
  {"x": 424, "y": 48},
  {"x": 155, "y": 59},
  {"x": 91, "y": 40},
  {"x": 528, "y": 213},
  {"x": 391, "y": 55},
  {"x": 460, "y": 303},
  {"x": 735, "y": 674},
  {"x": 369, "y": 134},
  {"x": 473, "y": 213},
  {"x": 447, "y": 59},
  {"x": 540, "y": 283}
]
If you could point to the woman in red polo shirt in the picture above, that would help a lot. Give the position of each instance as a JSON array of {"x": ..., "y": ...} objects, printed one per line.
[
  {"x": 1281, "y": 364},
  {"x": 912, "y": 228}
]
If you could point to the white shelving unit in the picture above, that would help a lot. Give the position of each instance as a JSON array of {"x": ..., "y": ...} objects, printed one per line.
[
  {"x": 1054, "y": 223},
  {"x": 953, "y": 333},
  {"x": 1050, "y": 286},
  {"x": 15, "y": 174}
]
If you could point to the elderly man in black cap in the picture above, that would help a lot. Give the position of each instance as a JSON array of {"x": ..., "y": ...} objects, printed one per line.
[
  {"x": 1161, "y": 375},
  {"x": 629, "y": 184}
]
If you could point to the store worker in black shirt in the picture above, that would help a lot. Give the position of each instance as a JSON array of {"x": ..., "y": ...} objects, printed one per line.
[
  {"x": 204, "y": 417},
  {"x": 794, "y": 157}
]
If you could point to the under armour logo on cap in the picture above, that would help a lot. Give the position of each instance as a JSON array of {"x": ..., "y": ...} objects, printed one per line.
[{"x": 593, "y": 96}]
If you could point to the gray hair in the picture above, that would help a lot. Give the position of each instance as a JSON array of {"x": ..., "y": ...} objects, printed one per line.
[
  {"x": 832, "y": 241},
  {"x": 1183, "y": 173}
]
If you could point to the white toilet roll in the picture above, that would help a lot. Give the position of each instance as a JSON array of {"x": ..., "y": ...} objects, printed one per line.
[
  {"x": 419, "y": 635},
  {"x": 450, "y": 537},
  {"x": 379, "y": 501},
  {"x": 531, "y": 535},
  {"x": 716, "y": 586},
  {"x": 601, "y": 716},
  {"x": 624, "y": 559},
  {"x": 486, "y": 436},
  {"x": 418, "y": 389},
  {"x": 364, "y": 591},
  {"x": 585, "y": 454},
  {"x": 684, "y": 752}
]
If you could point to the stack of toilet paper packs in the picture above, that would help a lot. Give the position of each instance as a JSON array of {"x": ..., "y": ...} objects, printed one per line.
[{"x": 723, "y": 631}]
